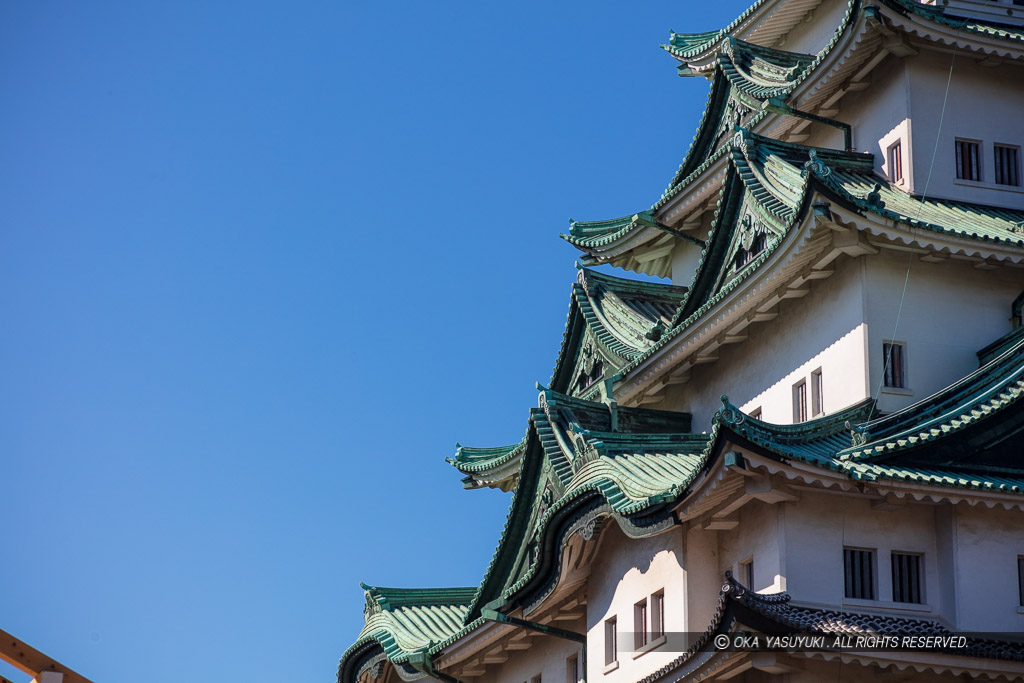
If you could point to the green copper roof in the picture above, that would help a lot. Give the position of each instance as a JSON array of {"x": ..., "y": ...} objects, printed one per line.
[
  {"x": 963, "y": 436},
  {"x": 948, "y": 17},
  {"x": 405, "y": 620},
  {"x": 960, "y": 219},
  {"x": 494, "y": 467},
  {"x": 774, "y": 180},
  {"x": 577, "y": 451},
  {"x": 619, "y": 315},
  {"x": 774, "y": 74},
  {"x": 591, "y": 234},
  {"x": 768, "y": 182}
]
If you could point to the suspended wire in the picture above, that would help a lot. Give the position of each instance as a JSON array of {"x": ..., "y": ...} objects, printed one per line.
[
  {"x": 903, "y": 294},
  {"x": 913, "y": 230}
]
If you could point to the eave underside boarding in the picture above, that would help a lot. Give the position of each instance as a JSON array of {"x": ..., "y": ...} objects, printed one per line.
[
  {"x": 757, "y": 614},
  {"x": 793, "y": 196}
]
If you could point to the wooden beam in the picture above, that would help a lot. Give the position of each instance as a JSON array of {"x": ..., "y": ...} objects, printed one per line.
[{"x": 33, "y": 662}]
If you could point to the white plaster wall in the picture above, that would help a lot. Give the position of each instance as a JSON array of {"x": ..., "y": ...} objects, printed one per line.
[
  {"x": 818, "y": 527},
  {"x": 951, "y": 311},
  {"x": 875, "y": 114},
  {"x": 983, "y": 104},
  {"x": 685, "y": 257},
  {"x": 988, "y": 543},
  {"x": 758, "y": 536},
  {"x": 625, "y": 572},
  {"x": 823, "y": 329},
  {"x": 546, "y": 658}
]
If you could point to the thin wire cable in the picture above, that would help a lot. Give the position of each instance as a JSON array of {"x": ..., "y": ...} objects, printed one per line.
[
  {"x": 924, "y": 195},
  {"x": 903, "y": 296}
]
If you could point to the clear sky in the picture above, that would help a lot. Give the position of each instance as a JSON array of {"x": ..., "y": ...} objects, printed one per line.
[{"x": 262, "y": 264}]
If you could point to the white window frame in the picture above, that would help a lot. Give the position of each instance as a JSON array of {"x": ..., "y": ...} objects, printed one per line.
[
  {"x": 817, "y": 394},
  {"x": 800, "y": 401},
  {"x": 611, "y": 644}
]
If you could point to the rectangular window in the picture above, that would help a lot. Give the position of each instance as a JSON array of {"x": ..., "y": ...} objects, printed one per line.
[
  {"x": 817, "y": 394},
  {"x": 800, "y": 401},
  {"x": 747, "y": 573},
  {"x": 1007, "y": 160},
  {"x": 639, "y": 624},
  {"x": 906, "y": 578},
  {"x": 657, "y": 615},
  {"x": 968, "y": 163},
  {"x": 611, "y": 644},
  {"x": 895, "y": 161},
  {"x": 1020, "y": 579},
  {"x": 859, "y": 573},
  {"x": 895, "y": 360},
  {"x": 572, "y": 669}
]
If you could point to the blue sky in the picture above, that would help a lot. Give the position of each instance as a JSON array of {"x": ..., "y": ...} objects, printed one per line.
[{"x": 262, "y": 265}]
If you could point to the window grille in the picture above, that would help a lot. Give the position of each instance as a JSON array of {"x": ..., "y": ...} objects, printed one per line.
[
  {"x": 1007, "y": 161},
  {"x": 906, "y": 578},
  {"x": 895, "y": 365},
  {"x": 859, "y": 573},
  {"x": 968, "y": 165}
]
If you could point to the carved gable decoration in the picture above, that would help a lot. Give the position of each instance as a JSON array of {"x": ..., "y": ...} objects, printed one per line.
[
  {"x": 735, "y": 115},
  {"x": 751, "y": 235},
  {"x": 592, "y": 365}
]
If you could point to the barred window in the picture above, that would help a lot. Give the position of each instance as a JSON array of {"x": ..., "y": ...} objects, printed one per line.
[
  {"x": 859, "y": 573},
  {"x": 894, "y": 358},
  {"x": 968, "y": 165},
  {"x": 906, "y": 578},
  {"x": 1007, "y": 160}
]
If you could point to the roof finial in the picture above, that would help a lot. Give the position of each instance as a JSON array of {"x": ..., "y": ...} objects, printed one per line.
[{"x": 874, "y": 198}]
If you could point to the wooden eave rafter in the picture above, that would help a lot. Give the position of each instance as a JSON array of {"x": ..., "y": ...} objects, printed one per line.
[
  {"x": 940, "y": 36},
  {"x": 785, "y": 275},
  {"x": 845, "y": 69},
  {"x": 971, "y": 668},
  {"x": 494, "y": 643},
  {"x": 773, "y": 21},
  {"x": 806, "y": 255},
  {"x": 878, "y": 232},
  {"x": 684, "y": 211},
  {"x": 796, "y": 476}
]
